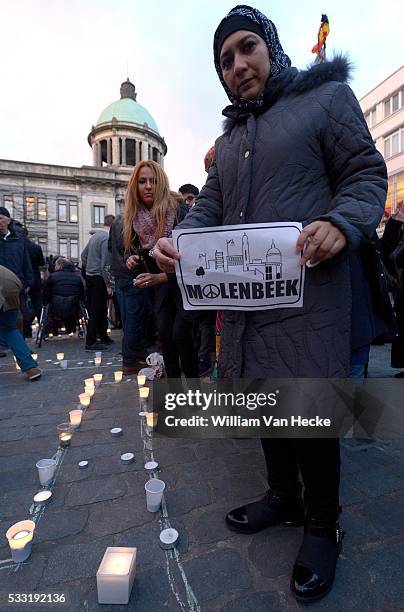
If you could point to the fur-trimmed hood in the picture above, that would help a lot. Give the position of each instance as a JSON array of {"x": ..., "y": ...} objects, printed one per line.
[{"x": 291, "y": 82}]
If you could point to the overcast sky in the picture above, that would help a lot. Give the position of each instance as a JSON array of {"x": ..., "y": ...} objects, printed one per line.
[{"x": 62, "y": 63}]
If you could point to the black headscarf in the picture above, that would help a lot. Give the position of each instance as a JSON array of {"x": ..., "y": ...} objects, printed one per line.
[{"x": 267, "y": 30}]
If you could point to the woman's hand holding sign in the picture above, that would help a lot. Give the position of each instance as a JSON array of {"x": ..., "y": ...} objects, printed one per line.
[
  {"x": 319, "y": 241},
  {"x": 165, "y": 254}
]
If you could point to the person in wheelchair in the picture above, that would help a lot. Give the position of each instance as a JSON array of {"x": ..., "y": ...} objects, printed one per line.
[{"x": 63, "y": 290}]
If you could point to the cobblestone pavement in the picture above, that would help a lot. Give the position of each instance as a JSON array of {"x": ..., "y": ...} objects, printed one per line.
[{"x": 104, "y": 505}]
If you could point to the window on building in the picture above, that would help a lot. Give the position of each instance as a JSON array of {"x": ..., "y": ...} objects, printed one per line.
[
  {"x": 74, "y": 249},
  {"x": 98, "y": 215},
  {"x": 394, "y": 143},
  {"x": 8, "y": 202},
  {"x": 63, "y": 247},
  {"x": 62, "y": 210},
  {"x": 155, "y": 154},
  {"x": 395, "y": 103},
  {"x": 130, "y": 152},
  {"x": 387, "y": 108},
  {"x": 73, "y": 212},
  {"x": 30, "y": 208},
  {"x": 41, "y": 202},
  {"x": 43, "y": 243}
]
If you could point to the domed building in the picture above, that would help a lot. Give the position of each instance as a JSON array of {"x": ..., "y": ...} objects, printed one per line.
[
  {"x": 126, "y": 133},
  {"x": 62, "y": 205}
]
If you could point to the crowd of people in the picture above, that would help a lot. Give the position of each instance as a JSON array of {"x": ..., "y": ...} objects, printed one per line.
[{"x": 295, "y": 147}]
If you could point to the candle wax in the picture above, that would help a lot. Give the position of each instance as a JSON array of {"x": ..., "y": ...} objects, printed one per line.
[
  {"x": 20, "y": 534},
  {"x": 117, "y": 564}
]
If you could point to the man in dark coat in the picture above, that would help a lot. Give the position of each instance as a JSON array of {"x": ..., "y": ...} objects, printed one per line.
[
  {"x": 296, "y": 147},
  {"x": 63, "y": 290},
  {"x": 14, "y": 253}
]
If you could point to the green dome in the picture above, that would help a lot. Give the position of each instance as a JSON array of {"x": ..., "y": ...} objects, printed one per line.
[{"x": 129, "y": 111}]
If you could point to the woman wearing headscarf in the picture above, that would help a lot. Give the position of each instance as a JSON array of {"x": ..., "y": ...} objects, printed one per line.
[
  {"x": 295, "y": 148},
  {"x": 151, "y": 212}
]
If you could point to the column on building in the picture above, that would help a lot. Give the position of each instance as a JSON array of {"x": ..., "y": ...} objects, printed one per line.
[
  {"x": 123, "y": 151},
  {"x": 109, "y": 151},
  {"x": 115, "y": 150},
  {"x": 52, "y": 215},
  {"x": 145, "y": 154},
  {"x": 95, "y": 153}
]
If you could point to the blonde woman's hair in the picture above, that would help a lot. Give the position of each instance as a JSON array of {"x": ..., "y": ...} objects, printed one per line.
[{"x": 163, "y": 202}]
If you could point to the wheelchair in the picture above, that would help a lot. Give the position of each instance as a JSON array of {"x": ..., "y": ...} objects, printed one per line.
[{"x": 47, "y": 320}]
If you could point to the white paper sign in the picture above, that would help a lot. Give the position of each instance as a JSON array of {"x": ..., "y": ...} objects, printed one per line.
[{"x": 240, "y": 267}]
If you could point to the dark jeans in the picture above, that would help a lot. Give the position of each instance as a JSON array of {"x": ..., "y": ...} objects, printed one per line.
[
  {"x": 318, "y": 460},
  {"x": 207, "y": 335},
  {"x": 97, "y": 309},
  {"x": 136, "y": 315},
  {"x": 177, "y": 342}
]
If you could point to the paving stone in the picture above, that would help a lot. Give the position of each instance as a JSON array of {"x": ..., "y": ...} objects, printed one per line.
[
  {"x": 257, "y": 602},
  {"x": 359, "y": 532},
  {"x": 240, "y": 487},
  {"x": 105, "y": 466},
  {"x": 45, "y": 447},
  {"x": 74, "y": 455},
  {"x": 385, "y": 515},
  {"x": 183, "y": 500},
  {"x": 61, "y": 524},
  {"x": 170, "y": 456},
  {"x": 24, "y": 577},
  {"x": 18, "y": 502},
  {"x": 377, "y": 482},
  {"x": 213, "y": 448},
  {"x": 92, "y": 491},
  {"x": 245, "y": 462},
  {"x": 216, "y": 572},
  {"x": 208, "y": 526},
  {"x": 273, "y": 551},
  {"x": 385, "y": 568},
  {"x": 191, "y": 472},
  {"x": 17, "y": 479},
  {"x": 73, "y": 562},
  {"x": 349, "y": 494},
  {"x": 114, "y": 517},
  {"x": 71, "y": 472}
]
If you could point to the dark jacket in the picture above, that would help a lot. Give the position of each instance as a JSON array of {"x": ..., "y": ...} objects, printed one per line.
[
  {"x": 116, "y": 247},
  {"x": 63, "y": 290},
  {"x": 307, "y": 155},
  {"x": 14, "y": 255},
  {"x": 37, "y": 261}
]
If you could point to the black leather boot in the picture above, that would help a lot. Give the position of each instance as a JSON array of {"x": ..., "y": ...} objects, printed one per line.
[
  {"x": 314, "y": 569},
  {"x": 273, "y": 509}
]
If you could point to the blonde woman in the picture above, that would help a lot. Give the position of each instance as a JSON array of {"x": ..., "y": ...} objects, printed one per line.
[{"x": 152, "y": 213}]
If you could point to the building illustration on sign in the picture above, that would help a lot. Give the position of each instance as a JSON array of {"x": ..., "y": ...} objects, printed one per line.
[{"x": 266, "y": 269}]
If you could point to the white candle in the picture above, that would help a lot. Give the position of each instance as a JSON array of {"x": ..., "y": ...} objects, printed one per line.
[
  {"x": 97, "y": 361},
  {"x": 115, "y": 575},
  {"x": 64, "y": 439},
  {"x": 89, "y": 382},
  {"x": 118, "y": 375},
  {"x": 89, "y": 391},
  {"x": 60, "y": 356},
  {"x": 84, "y": 399},
  {"x": 144, "y": 392},
  {"x": 151, "y": 419},
  {"x": 19, "y": 538},
  {"x": 75, "y": 418},
  {"x": 34, "y": 356},
  {"x": 141, "y": 380},
  {"x": 168, "y": 538},
  {"x": 42, "y": 497},
  {"x": 97, "y": 379}
]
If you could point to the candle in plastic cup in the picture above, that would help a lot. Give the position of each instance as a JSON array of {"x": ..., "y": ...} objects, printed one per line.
[
  {"x": 75, "y": 418},
  {"x": 151, "y": 419},
  {"x": 19, "y": 538},
  {"x": 97, "y": 361},
  {"x": 118, "y": 375},
  {"x": 65, "y": 434},
  {"x": 97, "y": 379},
  {"x": 60, "y": 356},
  {"x": 154, "y": 494},
  {"x": 63, "y": 364},
  {"x": 89, "y": 390},
  {"x": 144, "y": 392},
  {"x": 46, "y": 469},
  {"x": 98, "y": 353},
  {"x": 84, "y": 399},
  {"x": 141, "y": 380},
  {"x": 34, "y": 356},
  {"x": 89, "y": 382}
]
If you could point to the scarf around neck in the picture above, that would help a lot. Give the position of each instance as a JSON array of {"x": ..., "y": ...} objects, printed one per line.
[{"x": 145, "y": 225}]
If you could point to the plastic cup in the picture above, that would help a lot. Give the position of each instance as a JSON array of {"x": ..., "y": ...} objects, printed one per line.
[
  {"x": 154, "y": 493},
  {"x": 63, "y": 364},
  {"x": 46, "y": 469}
]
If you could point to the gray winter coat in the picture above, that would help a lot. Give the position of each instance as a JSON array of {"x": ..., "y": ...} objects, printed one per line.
[{"x": 307, "y": 156}]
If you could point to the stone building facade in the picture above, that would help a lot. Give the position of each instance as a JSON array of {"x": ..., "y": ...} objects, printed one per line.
[{"x": 60, "y": 205}]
